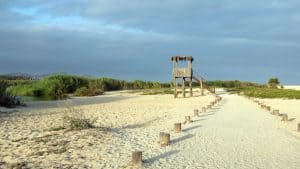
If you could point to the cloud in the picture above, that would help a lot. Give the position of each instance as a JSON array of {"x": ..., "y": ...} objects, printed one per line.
[{"x": 229, "y": 39}]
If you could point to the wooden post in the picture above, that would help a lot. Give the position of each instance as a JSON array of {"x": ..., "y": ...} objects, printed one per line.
[
  {"x": 191, "y": 87},
  {"x": 164, "y": 139},
  {"x": 137, "y": 158},
  {"x": 268, "y": 108},
  {"x": 177, "y": 127},
  {"x": 175, "y": 88},
  {"x": 183, "y": 87},
  {"x": 298, "y": 127},
  {"x": 201, "y": 86},
  {"x": 285, "y": 117},
  {"x": 187, "y": 119},
  {"x": 275, "y": 112},
  {"x": 196, "y": 112}
]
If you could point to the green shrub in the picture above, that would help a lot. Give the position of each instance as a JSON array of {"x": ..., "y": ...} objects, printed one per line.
[
  {"x": 55, "y": 89},
  {"x": 273, "y": 82},
  {"x": 84, "y": 91},
  {"x": 6, "y": 99},
  {"x": 69, "y": 83},
  {"x": 265, "y": 92},
  {"x": 75, "y": 119},
  {"x": 57, "y": 86}
]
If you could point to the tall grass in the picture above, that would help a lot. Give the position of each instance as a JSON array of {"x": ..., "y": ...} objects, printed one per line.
[
  {"x": 269, "y": 92},
  {"x": 58, "y": 86}
]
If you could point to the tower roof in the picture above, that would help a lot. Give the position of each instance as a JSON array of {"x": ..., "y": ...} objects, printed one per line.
[{"x": 184, "y": 58}]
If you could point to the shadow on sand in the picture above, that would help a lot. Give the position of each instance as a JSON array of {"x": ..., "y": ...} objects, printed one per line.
[
  {"x": 191, "y": 128},
  {"x": 199, "y": 120},
  {"x": 139, "y": 125},
  {"x": 182, "y": 138},
  {"x": 292, "y": 119},
  {"x": 208, "y": 114},
  {"x": 164, "y": 155}
]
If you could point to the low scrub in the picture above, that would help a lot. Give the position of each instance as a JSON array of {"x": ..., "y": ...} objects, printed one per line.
[
  {"x": 84, "y": 91},
  {"x": 6, "y": 99},
  {"x": 264, "y": 92},
  {"x": 75, "y": 119},
  {"x": 58, "y": 86},
  {"x": 158, "y": 91},
  {"x": 232, "y": 84}
]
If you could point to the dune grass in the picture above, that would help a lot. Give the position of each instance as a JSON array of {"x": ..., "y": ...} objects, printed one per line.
[
  {"x": 58, "y": 86},
  {"x": 157, "y": 91},
  {"x": 265, "y": 92}
]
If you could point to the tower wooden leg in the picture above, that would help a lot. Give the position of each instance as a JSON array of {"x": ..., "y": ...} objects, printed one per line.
[
  {"x": 183, "y": 87},
  {"x": 175, "y": 88},
  {"x": 201, "y": 86},
  {"x": 191, "y": 87}
]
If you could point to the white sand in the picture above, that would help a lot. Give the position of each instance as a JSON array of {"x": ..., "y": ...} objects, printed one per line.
[
  {"x": 289, "y": 107},
  {"x": 295, "y": 87},
  {"x": 235, "y": 134}
]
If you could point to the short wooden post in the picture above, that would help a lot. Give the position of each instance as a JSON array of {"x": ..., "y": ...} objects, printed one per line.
[
  {"x": 177, "y": 127},
  {"x": 298, "y": 127},
  {"x": 137, "y": 158},
  {"x": 275, "y": 112},
  {"x": 164, "y": 139},
  {"x": 196, "y": 112},
  {"x": 285, "y": 117},
  {"x": 268, "y": 108},
  {"x": 187, "y": 119}
]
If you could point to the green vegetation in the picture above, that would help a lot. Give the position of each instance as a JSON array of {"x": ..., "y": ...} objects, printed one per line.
[
  {"x": 261, "y": 91},
  {"x": 157, "y": 91},
  {"x": 269, "y": 92},
  {"x": 6, "y": 99},
  {"x": 59, "y": 86},
  {"x": 232, "y": 84},
  {"x": 273, "y": 82},
  {"x": 75, "y": 119}
]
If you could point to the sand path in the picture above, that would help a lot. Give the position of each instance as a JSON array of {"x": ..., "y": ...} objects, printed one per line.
[{"x": 235, "y": 134}]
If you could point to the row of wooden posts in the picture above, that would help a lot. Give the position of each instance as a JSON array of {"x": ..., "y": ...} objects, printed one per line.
[
  {"x": 284, "y": 116},
  {"x": 165, "y": 138}
]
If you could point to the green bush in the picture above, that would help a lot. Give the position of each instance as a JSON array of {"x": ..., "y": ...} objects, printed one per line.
[
  {"x": 57, "y": 86},
  {"x": 84, "y": 91},
  {"x": 265, "y": 92},
  {"x": 6, "y": 99},
  {"x": 273, "y": 82},
  {"x": 69, "y": 83},
  {"x": 232, "y": 84}
]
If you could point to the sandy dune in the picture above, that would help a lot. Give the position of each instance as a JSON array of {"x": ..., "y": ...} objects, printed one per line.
[{"x": 235, "y": 134}]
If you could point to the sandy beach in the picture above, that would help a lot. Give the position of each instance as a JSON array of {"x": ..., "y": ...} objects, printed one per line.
[{"x": 234, "y": 134}]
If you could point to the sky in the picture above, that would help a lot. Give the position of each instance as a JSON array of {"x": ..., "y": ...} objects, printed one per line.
[{"x": 229, "y": 39}]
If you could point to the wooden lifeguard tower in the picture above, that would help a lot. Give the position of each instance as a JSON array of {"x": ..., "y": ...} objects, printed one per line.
[{"x": 186, "y": 74}]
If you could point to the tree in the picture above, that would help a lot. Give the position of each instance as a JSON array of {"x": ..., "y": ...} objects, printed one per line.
[{"x": 273, "y": 82}]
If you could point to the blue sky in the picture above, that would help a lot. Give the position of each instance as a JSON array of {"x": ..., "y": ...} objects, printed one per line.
[{"x": 229, "y": 39}]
